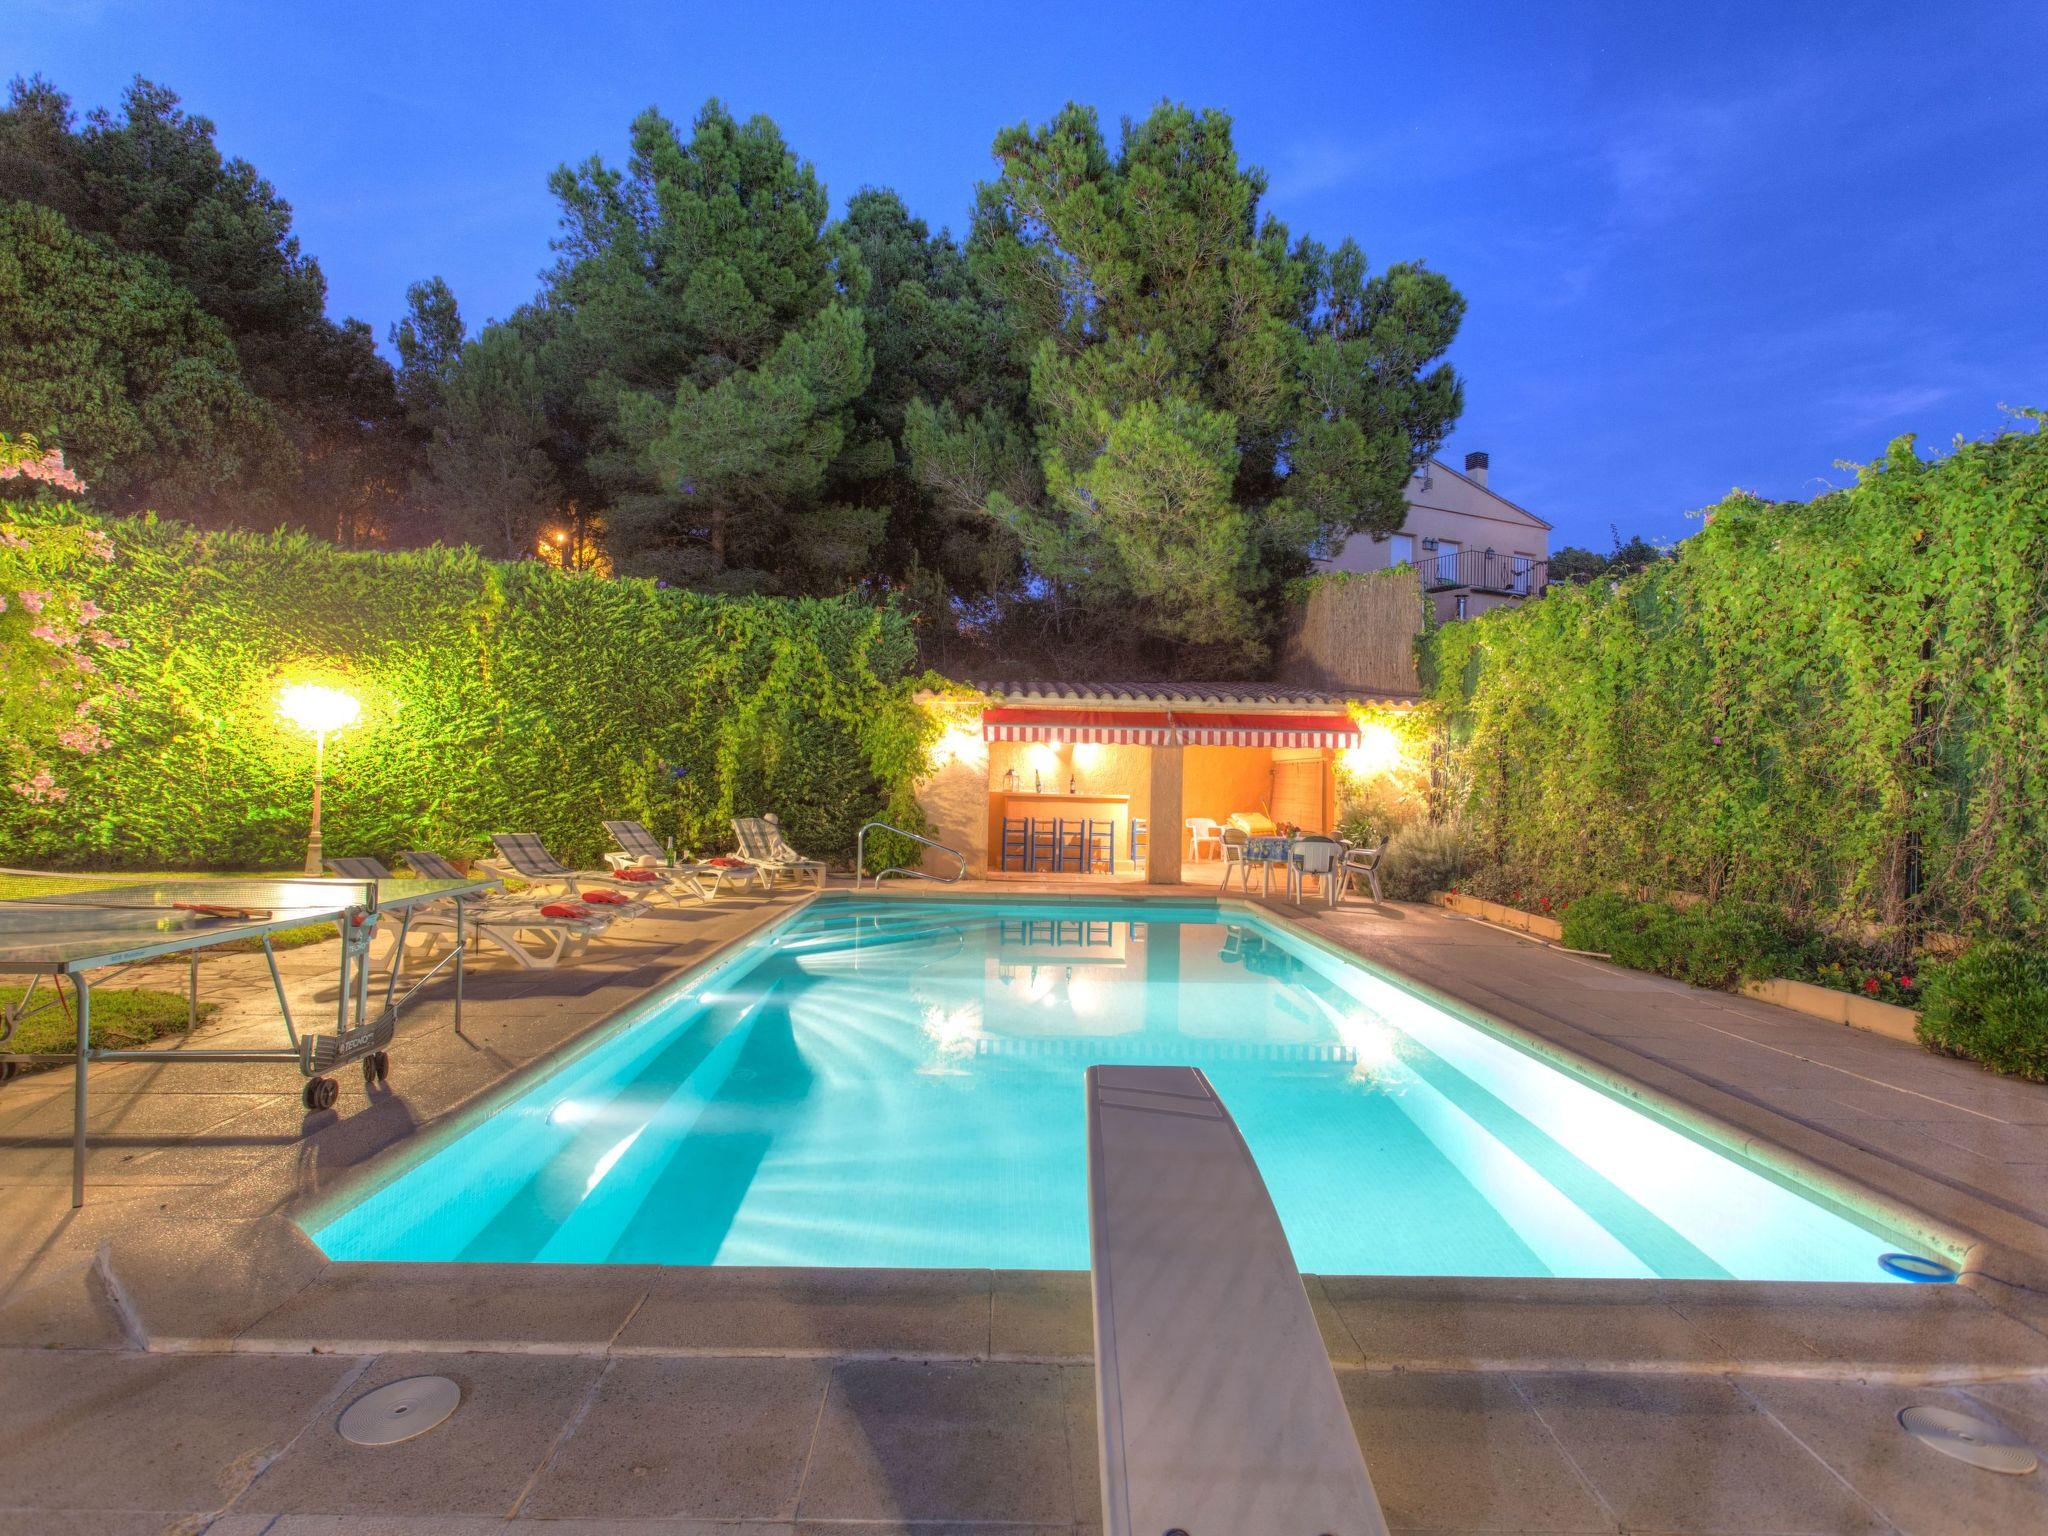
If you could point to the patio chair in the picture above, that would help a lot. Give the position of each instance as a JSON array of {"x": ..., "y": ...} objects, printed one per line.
[
  {"x": 1321, "y": 858},
  {"x": 1204, "y": 832},
  {"x": 517, "y": 928},
  {"x": 1233, "y": 844},
  {"x": 639, "y": 849},
  {"x": 1366, "y": 862},
  {"x": 763, "y": 846},
  {"x": 527, "y": 858}
]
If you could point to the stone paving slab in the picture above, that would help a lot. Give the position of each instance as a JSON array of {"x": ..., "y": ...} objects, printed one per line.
[
  {"x": 1694, "y": 1454},
  {"x": 149, "y": 1432},
  {"x": 822, "y": 1312},
  {"x": 514, "y": 1410},
  {"x": 710, "y": 1438},
  {"x": 1464, "y": 1451},
  {"x": 566, "y": 1309},
  {"x": 1041, "y": 1315},
  {"x": 1855, "y": 1431},
  {"x": 941, "y": 1442}
]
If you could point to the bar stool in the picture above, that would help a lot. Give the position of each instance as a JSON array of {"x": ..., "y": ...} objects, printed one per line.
[
  {"x": 1045, "y": 844},
  {"x": 1073, "y": 844},
  {"x": 1016, "y": 852},
  {"x": 1098, "y": 845}
]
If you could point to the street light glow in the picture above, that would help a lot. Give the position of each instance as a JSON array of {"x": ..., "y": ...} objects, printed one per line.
[{"x": 316, "y": 709}]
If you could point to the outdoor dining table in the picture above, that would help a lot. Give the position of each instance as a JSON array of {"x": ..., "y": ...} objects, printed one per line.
[{"x": 1266, "y": 852}]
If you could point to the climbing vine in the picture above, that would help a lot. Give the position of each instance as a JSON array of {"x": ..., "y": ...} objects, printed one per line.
[
  {"x": 493, "y": 697},
  {"x": 1836, "y": 706}
]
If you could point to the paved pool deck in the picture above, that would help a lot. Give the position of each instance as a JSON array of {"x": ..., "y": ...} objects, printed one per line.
[{"x": 174, "y": 1355}]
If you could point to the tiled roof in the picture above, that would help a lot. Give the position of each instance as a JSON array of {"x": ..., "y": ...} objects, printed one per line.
[{"x": 1218, "y": 695}]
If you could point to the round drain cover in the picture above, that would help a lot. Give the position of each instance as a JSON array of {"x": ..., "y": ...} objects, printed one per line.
[
  {"x": 1977, "y": 1441},
  {"x": 399, "y": 1411}
]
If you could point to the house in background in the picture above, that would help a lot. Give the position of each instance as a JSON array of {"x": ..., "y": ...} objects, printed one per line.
[{"x": 1473, "y": 548}]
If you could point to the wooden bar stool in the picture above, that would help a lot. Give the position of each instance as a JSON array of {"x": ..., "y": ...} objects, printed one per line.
[
  {"x": 1045, "y": 844},
  {"x": 1098, "y": 846},
  {"x": 1016, "y": 853}
]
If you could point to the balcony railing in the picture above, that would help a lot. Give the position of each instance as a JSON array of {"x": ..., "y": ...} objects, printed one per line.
[{"x": 1482, "y": 570}]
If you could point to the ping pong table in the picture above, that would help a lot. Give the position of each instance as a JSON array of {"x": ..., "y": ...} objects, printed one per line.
[{"x": 72, "y": 938}]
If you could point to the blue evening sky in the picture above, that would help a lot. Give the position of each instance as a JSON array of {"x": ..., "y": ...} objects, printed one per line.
[{"x": 1704, "y": 246}]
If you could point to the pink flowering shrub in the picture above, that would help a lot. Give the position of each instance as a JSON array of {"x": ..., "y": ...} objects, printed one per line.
[
  {"x": 54, "y": 696},
  {"x": 23, "y": 458}
]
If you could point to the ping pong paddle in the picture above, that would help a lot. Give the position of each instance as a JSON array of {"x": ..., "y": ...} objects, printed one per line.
[{"x": 215, "y": 909}]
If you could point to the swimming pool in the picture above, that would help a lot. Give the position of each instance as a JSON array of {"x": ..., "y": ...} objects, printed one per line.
[{"x": 893, "y": 1083}]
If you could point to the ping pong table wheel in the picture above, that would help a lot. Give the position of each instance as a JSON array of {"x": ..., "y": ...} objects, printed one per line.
[
  {"x": 376, "y": 1068},
  {"x": 321, "y": 1092}
]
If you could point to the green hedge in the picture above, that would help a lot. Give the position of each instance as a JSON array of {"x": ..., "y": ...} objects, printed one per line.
[
  {"x": 494, "y": 696},
  {"x": 1991, "y": 1005},
  {"x": 1718, "y": 944},
  {"x": 1786, "y": 711}
]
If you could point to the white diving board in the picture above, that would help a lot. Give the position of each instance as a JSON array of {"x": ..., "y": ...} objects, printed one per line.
[{"x": 1219, "y": 1413}]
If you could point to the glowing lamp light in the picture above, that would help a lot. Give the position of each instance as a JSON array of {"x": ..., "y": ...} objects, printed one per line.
[
  {"x": 1378, "y": 751},
  {"x": 959, "y": 743},
  {"x": 319, "y": 710}
]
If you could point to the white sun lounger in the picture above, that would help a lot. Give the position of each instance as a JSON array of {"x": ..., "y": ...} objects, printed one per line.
[
  {"x": 763, "y": 846},
  {"x": 639, "y": 849},
  {"x": 514, "y": 927},
  {"x": 1218, "y": 1409},
  {"x": 527, "y": 858}
]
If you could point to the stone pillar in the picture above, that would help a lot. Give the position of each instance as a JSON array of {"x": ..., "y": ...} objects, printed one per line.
[{"x": 1167, "y": 838}]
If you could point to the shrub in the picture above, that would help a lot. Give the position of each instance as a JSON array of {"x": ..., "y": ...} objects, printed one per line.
[
  {"x": 1717, "y": 944},
  {"x": 1422, "y": 858},
  {"x": 1990, "y": 1005}
]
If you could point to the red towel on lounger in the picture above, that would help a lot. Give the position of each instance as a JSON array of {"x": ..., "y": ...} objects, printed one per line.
[
  {"x": 727, "y": 861},
  {"x": 607, "y": 898},
  {"x": 637, "y": 876},
  {"x": 564, "y": 909}
]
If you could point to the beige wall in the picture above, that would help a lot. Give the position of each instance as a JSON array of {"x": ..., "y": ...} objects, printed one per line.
[
  {"x": 954, "y": 797},
  {"x": 1450, "y": 507}
]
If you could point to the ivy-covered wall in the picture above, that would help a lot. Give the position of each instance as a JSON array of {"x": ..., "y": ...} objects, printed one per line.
[
  {"x": 1809, "y": 700},
  {"x": 494, "y": 696}
]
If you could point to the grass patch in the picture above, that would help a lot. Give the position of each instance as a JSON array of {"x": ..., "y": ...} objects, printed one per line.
[{"x": 121, "y": 1016}]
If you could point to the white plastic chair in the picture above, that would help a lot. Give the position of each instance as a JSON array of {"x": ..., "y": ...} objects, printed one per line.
[
  {"x": 1233, "y": 844},
  {"x": 1321, "y": 857},
  {"x": 1203, "y": 833},
  {"x": 1366, "y": 862}
]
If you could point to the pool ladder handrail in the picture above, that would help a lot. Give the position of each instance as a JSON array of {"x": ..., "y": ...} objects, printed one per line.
[{"x": 860, "y": 861}]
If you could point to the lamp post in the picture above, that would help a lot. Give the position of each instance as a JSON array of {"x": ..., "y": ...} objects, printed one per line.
[{"x": 319, "y": 710}]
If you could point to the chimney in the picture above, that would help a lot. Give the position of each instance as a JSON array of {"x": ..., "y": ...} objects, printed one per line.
[{"x": 1475, "y": 466}]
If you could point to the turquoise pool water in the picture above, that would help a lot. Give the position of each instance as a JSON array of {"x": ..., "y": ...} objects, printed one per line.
[{"x": 898, "y": 1084}]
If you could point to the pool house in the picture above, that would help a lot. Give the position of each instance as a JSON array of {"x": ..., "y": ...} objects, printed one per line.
[{"x": 1138, "y": 781}]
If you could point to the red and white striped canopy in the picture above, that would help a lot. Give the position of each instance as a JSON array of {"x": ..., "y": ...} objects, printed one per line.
[{"x": 1168, "y": 728}]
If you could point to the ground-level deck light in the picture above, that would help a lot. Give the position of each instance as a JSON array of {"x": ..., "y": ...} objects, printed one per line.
[{"x": 319, "y": 710}]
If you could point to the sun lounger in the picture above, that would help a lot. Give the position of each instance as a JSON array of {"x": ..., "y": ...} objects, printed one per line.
[
  {"x": 638, "y": 849},
  {"x": 763, "y": 846},
  {"x": 515, "y": 927},
  {"x": 1218, "y": 1408},
  {"x": 524, "y": 856}
]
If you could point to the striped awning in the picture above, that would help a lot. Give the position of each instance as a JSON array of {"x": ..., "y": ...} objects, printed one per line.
[{"x": 1168, "y": 728}]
